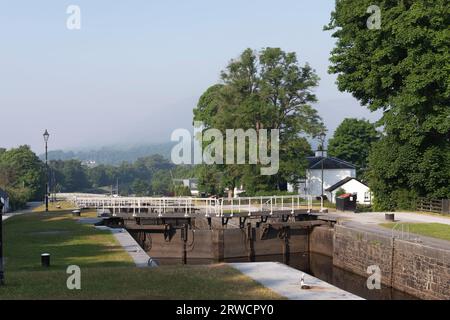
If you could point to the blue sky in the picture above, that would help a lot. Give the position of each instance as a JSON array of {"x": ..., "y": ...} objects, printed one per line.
[{"x": 136, "y": 69}]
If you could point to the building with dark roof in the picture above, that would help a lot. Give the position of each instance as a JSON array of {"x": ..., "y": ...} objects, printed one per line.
[
  {"x": 353, "y": 186},
  {"x": 316, "y": 162},
  {"x": 334, "y": 171}
]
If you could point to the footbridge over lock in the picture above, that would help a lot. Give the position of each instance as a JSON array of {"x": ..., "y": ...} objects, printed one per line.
[{"x": 189, "y": 207}]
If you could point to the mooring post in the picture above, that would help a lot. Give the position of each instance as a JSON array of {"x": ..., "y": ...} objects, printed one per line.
[
  {"x": 251, "y": 246},
  {"x": 184, "y": 237},
  {"x": 209, "y": 223},
  {"x": 285, "y": 237}
]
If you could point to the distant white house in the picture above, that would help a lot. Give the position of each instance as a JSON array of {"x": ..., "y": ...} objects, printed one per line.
[
  {"x": 4, "y": 198},
  {"x": 334, "y": 171},
  {"x": 351, "y": 185},
  {"x": 89, "y": 163}
]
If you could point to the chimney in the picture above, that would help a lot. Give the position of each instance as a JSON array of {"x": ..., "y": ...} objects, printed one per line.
[{"x": 319, "y": 153}]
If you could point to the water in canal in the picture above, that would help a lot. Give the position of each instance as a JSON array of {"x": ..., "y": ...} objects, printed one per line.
[{"x": 320, "y": 267}]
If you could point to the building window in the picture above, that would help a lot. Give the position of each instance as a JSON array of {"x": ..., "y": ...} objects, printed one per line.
[{"x": 367, "y": 196}]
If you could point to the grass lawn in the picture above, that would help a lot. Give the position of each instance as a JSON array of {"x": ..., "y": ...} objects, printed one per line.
[
  {"x": 107, "y": 271},
  {"x": 434, "y": 230}
]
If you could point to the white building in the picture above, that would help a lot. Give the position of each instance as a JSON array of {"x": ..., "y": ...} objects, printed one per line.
[
  {"x": 4, "y": 198},
  {"x": 336, "y": 174},
  {"x": 353, "y": 186},
  {"x": 334, "y": 171}
]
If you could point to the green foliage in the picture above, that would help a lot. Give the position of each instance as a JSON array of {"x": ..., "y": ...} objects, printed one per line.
[
  {"x": 113, "y": 155},
  {"x": 401, "y": 69},
  {"x": 69, "y": 175},
  {"x": 340, "y": 192},
  {"x": 18, "y": 197},
  {"x": 435, "y": 230},
  {"x": 145, "y": 177},
  {"x": 209, "y": 180},
  {"x": 161, "y": 183},
  {"x": 352, "y": 141},
  {"x": 363, "y": 208},
  {"x": 262, "y": 90},
  {"x": 141, "y": 188},
  {"x": 22, "y": 175},
  {"x": 399, "y": 173},
  {"x": 181, "y": 191},
  {"x": 268, "y": 193}
]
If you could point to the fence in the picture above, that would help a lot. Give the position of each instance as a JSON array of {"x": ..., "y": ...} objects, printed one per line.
[
  {"x": 441, "y": 206},
  {"x": 206, "y": 206}
]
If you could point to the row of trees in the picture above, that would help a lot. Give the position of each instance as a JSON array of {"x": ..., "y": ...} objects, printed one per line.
[
  {"x": 147, "y": 176},
  {"x": 23, "y": 176}
]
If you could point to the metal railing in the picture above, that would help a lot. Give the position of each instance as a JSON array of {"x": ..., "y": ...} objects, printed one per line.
[
  {"x": 402, "y": 231},
  {"x": 219, "y": 207}
]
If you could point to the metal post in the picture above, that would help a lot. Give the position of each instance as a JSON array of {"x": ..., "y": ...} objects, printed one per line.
[
  {"x": 322, "y": 170},
  {"x": 46, "y": 177},
  {"x": 322, "y": 140},
  {"x": 293, "y": 206},
  {"x": 46, "y": 136},
  {"x": 2, "y": 274}
]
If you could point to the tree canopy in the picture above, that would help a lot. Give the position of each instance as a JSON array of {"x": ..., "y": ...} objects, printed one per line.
[
  {"x": 352, "y": 142},
  {"x": 22, "y": 175},
  {"x": 403, "y": 70},
  {"x": 268, "y": 89}
]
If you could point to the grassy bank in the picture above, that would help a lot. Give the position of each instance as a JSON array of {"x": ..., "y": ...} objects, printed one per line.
[
  {"x": 434, "y": 230},
  {"x": 107, "y": 271}
]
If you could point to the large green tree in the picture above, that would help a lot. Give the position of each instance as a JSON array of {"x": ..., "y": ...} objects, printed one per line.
[
  {"x": 264, "y": 90},
  {"x": 401, "y": 68},
  {"x": 70, "y": 175},
  {"x": 352, "y": 142},
  {"x": 22, "y": 174}
]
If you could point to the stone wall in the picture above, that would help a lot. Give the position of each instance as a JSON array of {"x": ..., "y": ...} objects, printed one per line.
[
  {"x": 410, "y": 267},
  {"x": 421, "y": 271},
  {"x": 321, "y": 240}
]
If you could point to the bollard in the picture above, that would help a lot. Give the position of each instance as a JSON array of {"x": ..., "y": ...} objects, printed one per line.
[
  {"x": 390, "y": 217},
  {"x": 45, "y": 260},
  {"x": 76, "y": 213}
]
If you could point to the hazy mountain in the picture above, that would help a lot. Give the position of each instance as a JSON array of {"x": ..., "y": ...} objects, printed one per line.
[{"x": 112, "y": 155}]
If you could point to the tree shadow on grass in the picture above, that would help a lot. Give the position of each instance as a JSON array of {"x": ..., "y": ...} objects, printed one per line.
[{"x": 83, "y": 255}]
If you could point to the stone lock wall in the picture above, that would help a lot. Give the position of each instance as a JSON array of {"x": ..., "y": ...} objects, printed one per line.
[
  {"x": 421, "y": 271},
  {"x": 410, "y": 267},
  {"x": 321, "y": 240}
]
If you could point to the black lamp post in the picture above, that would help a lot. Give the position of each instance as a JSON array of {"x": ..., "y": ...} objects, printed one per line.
[
  {"x": 2, "y": 274},
  {"x": 46, "y": 136},
  {"x": 322, "y": 147}
]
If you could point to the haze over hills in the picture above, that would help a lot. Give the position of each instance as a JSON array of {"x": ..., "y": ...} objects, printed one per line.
[{"x": 112, "y": 155}]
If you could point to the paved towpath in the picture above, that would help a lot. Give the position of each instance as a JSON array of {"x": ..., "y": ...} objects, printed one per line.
[
  {"x": 370, "y": 222},
  {"x": 378, "y": 217},
  {"x": 30, "y": 207},
  {"x": 139, "y": 256},
  {"x": 285, "y": 281}
]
